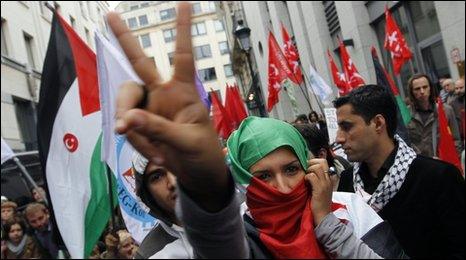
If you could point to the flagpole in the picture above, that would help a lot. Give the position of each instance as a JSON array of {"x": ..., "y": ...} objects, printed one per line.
[
  {"x": 28, "y": 177},
  {"x": 110, "y": 188}
]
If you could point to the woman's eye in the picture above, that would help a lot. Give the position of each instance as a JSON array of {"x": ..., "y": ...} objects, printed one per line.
[
  {"x": 291, "y": 169},
  {"x": 263, "y": 176}
]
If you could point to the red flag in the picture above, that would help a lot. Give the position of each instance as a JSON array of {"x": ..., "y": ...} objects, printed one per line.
[
  {"x": 353, "y": 78},
  {"x": 446, "y": 146},
  {"x": 395, "y": 43},
  {"x": 278, "y": 71},
  {"x": 338, "y": 78},
  {"x": 292, "y": 56},
  {"x": 239, "y": 105},
  {"x": 222, "y": 121}
]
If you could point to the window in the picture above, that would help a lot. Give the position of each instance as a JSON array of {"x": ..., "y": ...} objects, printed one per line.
[
  {"x": 170, "y": 57},
  {"x": 223, "y": 47},
  {"x": 198, "y": 29},
  {"x": 167, "y": 14},
  {"x": 202, "y": 52},
  {"x": 197, "y": 8},
  {"x": 169, "y": 35},
  {"x": 4, "y": 47},
  {"x": 207, "y": 74},
  {"x": 146, "y": 4},
  {"x": 212, "y": 6},
  {"x": 132, "y": 23},
  {"x": 228, "y": 70},
  {"x": 29, "y": 50},
  {"x": 143, "y": 20},
  {"x": 133, "y": 7},
  {"x": 72, "y": 22},
  {"x": 219, "y": 26},
  {"x": 145, "y": 41}
]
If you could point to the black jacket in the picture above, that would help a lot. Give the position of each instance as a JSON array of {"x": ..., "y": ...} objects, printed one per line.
[{"x": 427, "y": 213}]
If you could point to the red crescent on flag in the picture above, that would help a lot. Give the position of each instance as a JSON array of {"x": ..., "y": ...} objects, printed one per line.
[{"x": 71, "y": 142}]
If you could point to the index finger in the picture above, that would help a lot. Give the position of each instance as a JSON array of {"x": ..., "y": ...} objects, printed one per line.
[
  {"x": 142, "y": 65},
  {"x": 184, "y": 61}
]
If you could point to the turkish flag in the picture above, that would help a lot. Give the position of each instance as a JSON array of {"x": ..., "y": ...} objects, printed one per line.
[
  {"x": 292, "y": 56},
  {"x": 395, "y": 43},
  {"x": 278, "y": 71},
  {"x": 338, "y": 78},
  {"x": 353, "y": 78},
  {"x": 234, "y": 106}
]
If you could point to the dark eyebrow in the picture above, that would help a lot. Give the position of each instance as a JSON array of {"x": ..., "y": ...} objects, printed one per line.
[{"x": 344, "y": 123}]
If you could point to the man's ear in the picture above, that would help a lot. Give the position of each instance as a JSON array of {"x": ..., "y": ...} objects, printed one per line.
[{"x": 380, "y": 124}]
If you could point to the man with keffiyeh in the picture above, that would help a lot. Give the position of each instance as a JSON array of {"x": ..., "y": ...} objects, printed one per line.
[{"x": 422, "y": 198}]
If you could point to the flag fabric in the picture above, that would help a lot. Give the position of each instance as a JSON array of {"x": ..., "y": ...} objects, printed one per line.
[
  {"x": 69, "y": 136},
  {"x": 278, "y": 72},
  {"x": 222, "y": 122},
  {"x": 384, "y": 80},
  {"x": 446, "y": 145},
  {"x": 320, "y": 87},
  {"x": 395, "y": 43},
  {"x": 292, "y": 56},
  {"x": 234, "y": 106},
  {"x": 338, "y": 78},
  {"x": 240, "y": 107},
  {"x": 7, "y": 153},
  {"x": 353, "y": 78},
  {"x": 113, "y": 70}
]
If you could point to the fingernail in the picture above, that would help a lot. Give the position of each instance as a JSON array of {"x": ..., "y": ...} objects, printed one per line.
[{"x": 119, "y": 125}]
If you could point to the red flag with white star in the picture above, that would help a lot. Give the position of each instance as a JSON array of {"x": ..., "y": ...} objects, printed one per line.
[{"x": 395, "y": 43}]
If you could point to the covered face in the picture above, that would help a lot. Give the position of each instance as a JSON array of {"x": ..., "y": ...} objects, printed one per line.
[
  {"x": 269, "y": 157},
  {"x": 258, "y": 138}
]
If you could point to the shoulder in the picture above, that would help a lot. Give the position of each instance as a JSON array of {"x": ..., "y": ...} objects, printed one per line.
[
  {"x": 435, "y": 170},
  {"x": 155, "y": 241}
]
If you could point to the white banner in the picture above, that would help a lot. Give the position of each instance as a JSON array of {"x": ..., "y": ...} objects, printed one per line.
[{"x": 114, "y": 69}]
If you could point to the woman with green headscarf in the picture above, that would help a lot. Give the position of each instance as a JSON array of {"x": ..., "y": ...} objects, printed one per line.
[{"x": 288, "y": 197}]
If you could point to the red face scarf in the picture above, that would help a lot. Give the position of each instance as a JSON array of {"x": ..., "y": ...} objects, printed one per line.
[{"x": 284, "y": 221}]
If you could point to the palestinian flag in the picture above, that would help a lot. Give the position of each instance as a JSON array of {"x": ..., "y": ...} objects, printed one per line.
[
  {"x": 69, "y": 134},
  {"x": 384, "y": 80}
]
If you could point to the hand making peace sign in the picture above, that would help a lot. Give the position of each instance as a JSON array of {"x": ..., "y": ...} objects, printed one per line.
[{"x": 173, "y": 129}]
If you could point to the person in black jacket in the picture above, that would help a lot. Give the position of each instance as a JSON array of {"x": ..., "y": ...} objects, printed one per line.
[{"x": 422, "y": 198}]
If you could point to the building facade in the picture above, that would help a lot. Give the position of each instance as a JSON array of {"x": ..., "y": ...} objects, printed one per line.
[
  {"x": 434, "y": 31},
  {"x": 25, "y": 33},
  {"x": 154, "y": 24}
]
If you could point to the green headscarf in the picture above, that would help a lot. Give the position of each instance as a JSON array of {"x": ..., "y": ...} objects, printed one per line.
[{"x": 257, "y": 137}]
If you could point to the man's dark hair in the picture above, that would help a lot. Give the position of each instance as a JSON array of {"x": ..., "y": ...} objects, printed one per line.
[
  {"x": 369, "y": 101},
  {"x": 302, "y": 117},
  {"x": 315, "y": 139}
]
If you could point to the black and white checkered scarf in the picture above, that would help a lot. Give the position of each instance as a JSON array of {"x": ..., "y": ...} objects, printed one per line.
[{"x": 391, "y": 183}]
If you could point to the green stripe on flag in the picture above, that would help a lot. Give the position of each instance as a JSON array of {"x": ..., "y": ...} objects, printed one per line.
[
  {"x": 98, "y": 209},
  {"x": 405, "y": 114}
]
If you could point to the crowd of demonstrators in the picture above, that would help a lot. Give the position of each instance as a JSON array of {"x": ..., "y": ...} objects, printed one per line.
[
  {"x": 268, "y": 152},
  {"x": 423, "y": 127}
]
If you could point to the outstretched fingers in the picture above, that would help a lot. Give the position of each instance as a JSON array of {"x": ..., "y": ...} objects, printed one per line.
[{"x": 142, "y": 65}]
